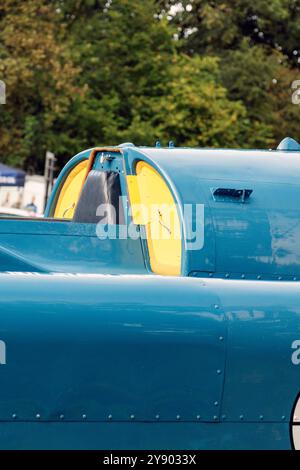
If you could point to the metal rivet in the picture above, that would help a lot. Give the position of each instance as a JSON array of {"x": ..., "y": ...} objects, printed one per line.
[
  {"x": 221, "y": 338},
  {"x": 216, "y": 403},
  {"x": 109, "y": 416},
  {"x": 219, "y": 371},
  {"x": 216, "y": 307},
  {"x": 61, "y": 416},
  {"x": 215, "y": 418},
  {"x": 178, "y": 417},
  {"x": 241, "y": 417},
  {"x": 37, "y": 416},
  {"x": 132, "y": 416},
  {"x": 261, "y": 417},
  {"x": 243, "y": 276},
  {"x": 283, "y": 418},
  {"x": 295, "y": 279},
  {"x": 210, "y": 274},
  {"x": 14, "y": 416},
  {"x": 198, "y": 416},
  {"x": 157, "y": 416},
  {"x": 258, "y": 277},
  {"x": 83, "y": 416},
  {"x": 227, "y": 275},
  {"x": 279, "y": 278}
]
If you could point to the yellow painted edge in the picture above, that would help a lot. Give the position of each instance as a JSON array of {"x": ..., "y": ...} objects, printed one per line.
[{"x": 139, "y": 216}]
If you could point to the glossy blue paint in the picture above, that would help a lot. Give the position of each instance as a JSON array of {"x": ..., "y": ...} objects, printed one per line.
[
  {"x": 263, "y": 322},
  {"x": 255, "y": 237},
  {"x": 289, "y": 144},
  {"x": 145, "y": 436},
  {"x": 56, "y": 246},
  {"x": 130, "y": 360},
  {"x": 110, "y": 345},
  {"x": 131, "y": 355}
]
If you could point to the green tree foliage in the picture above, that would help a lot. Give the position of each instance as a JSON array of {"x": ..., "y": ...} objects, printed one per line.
[
  {"x": 39, "y": 76},
  {"x": 198, "y": 111},
  {"x": 81, "y": 73},
  {"x": 258, "y": 47},
  {"x": 219, "y": 25},
  {"x": 142, "y": 88},
  {"x": 124, "y": 54}
]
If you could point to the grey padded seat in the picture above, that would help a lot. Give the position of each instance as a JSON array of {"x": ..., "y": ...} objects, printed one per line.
[{"x": 100, "y": 188}]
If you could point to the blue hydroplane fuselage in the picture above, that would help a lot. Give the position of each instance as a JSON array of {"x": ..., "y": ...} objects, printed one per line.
[{"x": 156, "y": 305}]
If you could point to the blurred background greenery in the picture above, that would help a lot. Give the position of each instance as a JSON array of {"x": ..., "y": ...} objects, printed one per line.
[{"x": 81, "y": 73}]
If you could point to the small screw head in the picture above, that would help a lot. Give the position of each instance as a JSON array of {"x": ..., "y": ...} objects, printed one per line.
[
  {"x": 14, "y": 416},
  {"x": 132, "y": 416},
  {"x": 83, "y": 416},
  {"x": 241, "y": 417},
  {"x": 243, "y": 276},
  {"x": 258, "y": 277},
  {"x": 221, "y": 338},
  {"x": 261, "y": 417},
  {"x": 157, "y": 416},
  {"x": 61, "y": 416},
  {"x": 38, "y": 416},
  {"x": 295, "y": 279},
  {"x": 215, "y": 418},
  {"x": 219, "y": 371},
  {"x": 216, "y": 306},
  {"x": 178, "y": 417},
  {"x": 279, "y": 278},
  {"x": 216, "y": 403},
  {"x": 109, "y": 416},
  {"x": 283, "y": 417},
  {"x": 198, "y": 416}
]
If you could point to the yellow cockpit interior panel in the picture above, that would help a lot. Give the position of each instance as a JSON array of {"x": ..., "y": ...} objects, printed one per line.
[
  {"x": 153, "y": 206},
  {"x": 70, "y": 192}
]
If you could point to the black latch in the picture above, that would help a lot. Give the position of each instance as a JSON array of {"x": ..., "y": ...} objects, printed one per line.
[{"x": 237, "y": 194}]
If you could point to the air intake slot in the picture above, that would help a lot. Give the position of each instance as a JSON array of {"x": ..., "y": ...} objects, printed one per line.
[{"x": 223, "y": 194}]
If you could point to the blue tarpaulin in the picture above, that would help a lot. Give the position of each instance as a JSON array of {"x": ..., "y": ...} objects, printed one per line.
[{"x": 11, "y": 176}]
